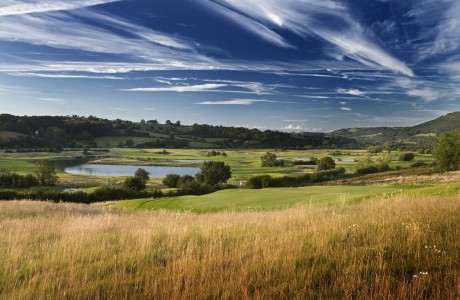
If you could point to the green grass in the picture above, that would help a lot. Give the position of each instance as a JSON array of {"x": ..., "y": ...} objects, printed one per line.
[{"x": 265, "y": 199}]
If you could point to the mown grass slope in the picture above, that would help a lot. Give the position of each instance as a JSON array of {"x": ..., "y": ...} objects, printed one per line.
[
  {"x": 266, "y": 199},
  {"x": 398, "y": 248}
]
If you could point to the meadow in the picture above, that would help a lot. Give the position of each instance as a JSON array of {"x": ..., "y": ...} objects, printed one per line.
[{"x": 400, "y": 247}]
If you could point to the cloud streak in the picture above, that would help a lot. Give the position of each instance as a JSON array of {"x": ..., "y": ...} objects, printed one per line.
[
  {"x": 306, "y": 19},
  {"x": 244, "y": 102},
  {"x": 209, "y": 87},
  {"x": 14, "y": 7}
]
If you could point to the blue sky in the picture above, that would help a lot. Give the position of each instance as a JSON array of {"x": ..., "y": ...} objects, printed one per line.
[{"x": 295, "y": 65}]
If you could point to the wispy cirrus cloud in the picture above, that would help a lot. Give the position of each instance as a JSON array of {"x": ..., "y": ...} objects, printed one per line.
[
  {"x": 72, "y": 76},
  {"x": 344, "y": 108},
  {"x": 306, "y": 19},
  {"x": 52, "y": 100},
  {"x": 209, "y": 87},
  {"x": 244, "y": 102},
  {"x": 17, "y": 7},
  {"x": 353, "y": 92},
  {"x": 87, "y": 31}
]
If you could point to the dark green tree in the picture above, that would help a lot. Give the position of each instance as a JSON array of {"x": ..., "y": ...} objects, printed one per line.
[
  {"x": 143, "y": 175},
  {"x": 326, "y": 163},
  {"x": 446, "y": 150},
  {"x": 214, "y": 172},
  {"x": 45, "y": 173},
  {"x": 171, "y": 180},
  {"x": 134, "y": 183},
  {"x": 268, "y": 160}
]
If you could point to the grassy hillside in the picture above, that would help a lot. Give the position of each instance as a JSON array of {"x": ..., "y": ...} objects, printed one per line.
[
  {"x": 424, "y": 133},
  {"x": 266, "y": 199},
  {"x": 398, "y": 248}
]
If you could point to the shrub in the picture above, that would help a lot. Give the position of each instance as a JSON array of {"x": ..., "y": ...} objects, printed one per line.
[
  {"x": 418, "y": 164},
  {"x": 409, "y": 156},
  {"x": 259, "y": 182}
]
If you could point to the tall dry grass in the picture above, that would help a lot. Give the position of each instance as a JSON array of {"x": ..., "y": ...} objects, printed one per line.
[{"x": 399, "y": 248}]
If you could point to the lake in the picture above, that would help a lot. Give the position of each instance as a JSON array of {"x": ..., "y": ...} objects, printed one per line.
[{"x": 118, "y": 170}]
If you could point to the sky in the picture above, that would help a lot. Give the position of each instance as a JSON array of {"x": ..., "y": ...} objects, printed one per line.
[{"x": 292, "y": 65}]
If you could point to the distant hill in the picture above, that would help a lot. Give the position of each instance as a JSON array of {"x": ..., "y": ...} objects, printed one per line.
[
  {"x": 421, "y": 135},
  {"x": 26, "y": 132}
]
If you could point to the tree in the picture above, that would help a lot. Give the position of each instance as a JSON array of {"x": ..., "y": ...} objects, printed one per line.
[
  {"x": 134, "y": 183},
  {"x": 326, "y": 163},
  {"x": 446, "y": 151},
  {"x": 45, "y": 173},
  {"x": 268, "y": 160},
  {"x": 143, "y": 175},
  {"x": 214, "y": 172},
  {"x": 171, "y": 180}
]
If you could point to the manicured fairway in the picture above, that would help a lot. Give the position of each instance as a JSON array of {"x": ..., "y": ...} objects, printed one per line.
[{"x": 266, "y": 199}]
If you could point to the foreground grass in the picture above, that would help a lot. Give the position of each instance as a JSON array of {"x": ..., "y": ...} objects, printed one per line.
[
  {"x": 399, "y": 248},
  {"x": 265, "y": 199}
]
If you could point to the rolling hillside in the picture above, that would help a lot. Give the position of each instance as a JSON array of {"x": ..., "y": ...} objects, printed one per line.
[{"x": 423, "y": 134}]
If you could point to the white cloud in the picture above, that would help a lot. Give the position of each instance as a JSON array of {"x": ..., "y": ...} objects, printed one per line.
[
  {"x": 15, "y": 7},
  {"x": 235, "y": 102},
  {"x": 292, "y": 127},
  {"x": 346, "y": 108},
  {"x": 426, "y": 94},
  {"x": 354, "y": 92},
  {"x": 45, "y": 75},
  {"x": 247, "y": 23},
  {"x": 78, "y": 31},
  {"x": 306, "y": 19},
  {"x": 343, "y": 103},
  {"x": 209, "y": 87},
  {"x": 298, "y": 121},
  {"x": 53, "y": 100}
]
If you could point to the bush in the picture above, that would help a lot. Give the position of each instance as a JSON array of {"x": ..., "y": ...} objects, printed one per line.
[
  {"x": 304, "y": 163},
  {"x": 171, "y": 180},
  {"x": 259, "y": 182},
  {"x": 265, "y": 181},
  {"x": 418, "y": 164},
  {"x": 407, "y": 156},
  {"x": 367, "y": 170},
  {"x": 196, "y": 188}
]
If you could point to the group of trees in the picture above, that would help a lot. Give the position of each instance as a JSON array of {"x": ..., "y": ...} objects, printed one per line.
[
  {"x": 210, "y": 178},
  {"x": 137, "y": 182},
  {"x": 44, "y": 174}
]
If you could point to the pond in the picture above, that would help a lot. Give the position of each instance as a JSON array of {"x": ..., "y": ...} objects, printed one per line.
[{"x": 117, "y": 170}]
